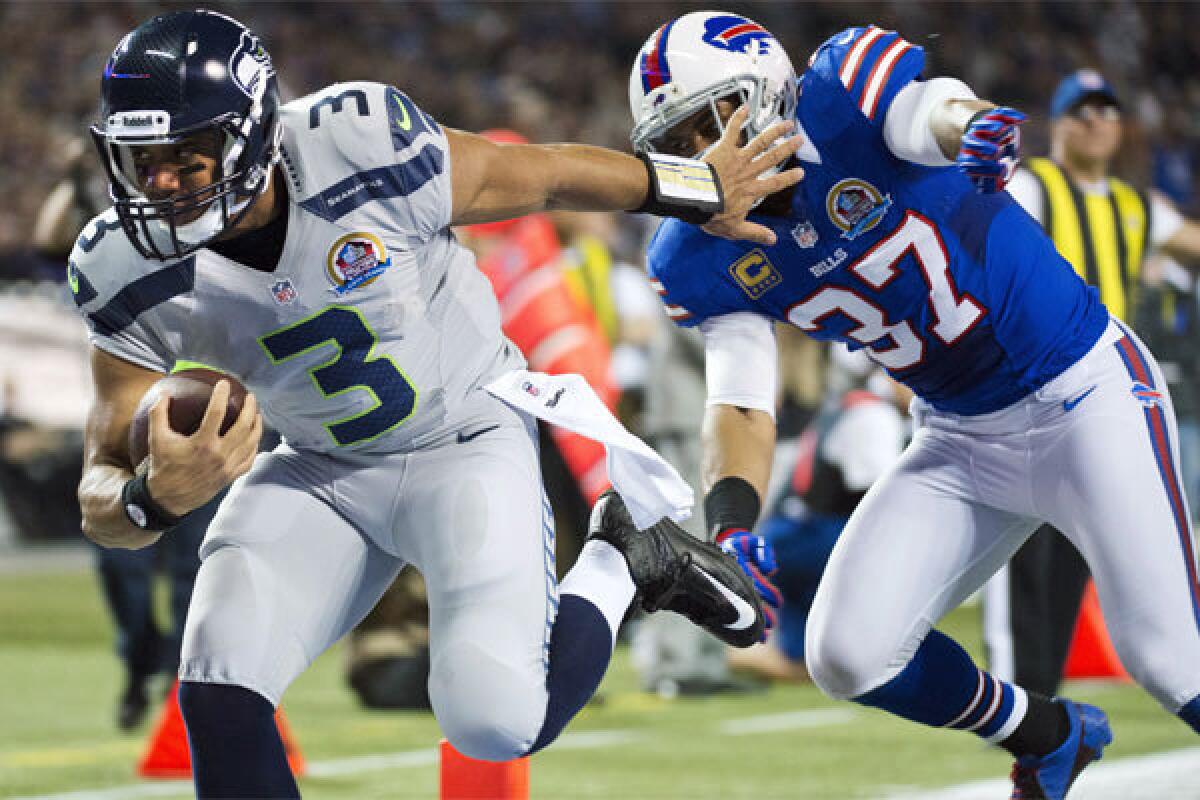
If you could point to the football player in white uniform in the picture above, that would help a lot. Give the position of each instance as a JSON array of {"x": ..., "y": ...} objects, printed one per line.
[{"x": 306, "y": 250}]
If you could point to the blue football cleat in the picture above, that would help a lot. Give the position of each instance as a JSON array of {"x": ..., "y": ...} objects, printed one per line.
[{"x": 1049, "y": 777}]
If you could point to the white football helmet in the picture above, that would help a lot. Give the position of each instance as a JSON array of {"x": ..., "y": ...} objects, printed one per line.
[{"x": 695, "y": 60}]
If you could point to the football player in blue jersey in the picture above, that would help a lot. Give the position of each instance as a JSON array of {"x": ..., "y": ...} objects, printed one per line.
[{"x": 1032, "y": 403}]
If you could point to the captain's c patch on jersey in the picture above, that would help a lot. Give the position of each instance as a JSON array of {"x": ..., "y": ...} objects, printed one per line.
[
  {"x": 755, "y": 273},
  {"x": 354, "y": 260}
]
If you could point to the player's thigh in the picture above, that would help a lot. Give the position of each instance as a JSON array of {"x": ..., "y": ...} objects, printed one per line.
[
  {"x": 1112, "y": 484},
  {"x": 282, "y": 577},
  {"x": 915, "y": 548},
  {"x": 476, "y": 523}
]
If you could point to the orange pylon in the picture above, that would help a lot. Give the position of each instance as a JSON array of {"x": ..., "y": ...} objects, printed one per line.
[
  {"x": 1092, "y": 654},
  {"x": 464, "y": 778},
  {"x": 167, "y": 756}
]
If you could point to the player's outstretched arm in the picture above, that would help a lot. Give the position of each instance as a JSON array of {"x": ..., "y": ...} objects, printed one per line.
[
  {"x": 184, "y": 471},
  {"x": 500, "y": 181}
]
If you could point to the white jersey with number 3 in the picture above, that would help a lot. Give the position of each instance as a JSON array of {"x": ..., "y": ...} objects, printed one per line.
[{"x": 376, "y": 330}]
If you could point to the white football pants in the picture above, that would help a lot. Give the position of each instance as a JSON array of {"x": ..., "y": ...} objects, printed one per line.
[{"x": 1094, "y": 453}]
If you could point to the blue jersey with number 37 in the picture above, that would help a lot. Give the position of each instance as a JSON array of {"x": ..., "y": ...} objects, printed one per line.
[{"x": 958, "y": 294}]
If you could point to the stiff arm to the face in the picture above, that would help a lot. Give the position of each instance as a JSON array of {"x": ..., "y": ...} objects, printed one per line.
[{"x": 499, "y": 181}]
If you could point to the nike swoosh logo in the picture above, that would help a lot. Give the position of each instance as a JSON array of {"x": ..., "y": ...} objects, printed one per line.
[
  {"x": 1069, "y": 405},
  {"x": 746, "y": 613},
  {"x": 463, "y": 437},
  {"x": 404, "y": 123}
]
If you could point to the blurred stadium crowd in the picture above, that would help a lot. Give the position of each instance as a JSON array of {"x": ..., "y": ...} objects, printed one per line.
[
  {"x": 558, "y": 70},
  {"x": 551, "y": 71}
]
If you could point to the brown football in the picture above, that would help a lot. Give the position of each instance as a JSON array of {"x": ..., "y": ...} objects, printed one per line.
[{"x": 189, "y": 391}]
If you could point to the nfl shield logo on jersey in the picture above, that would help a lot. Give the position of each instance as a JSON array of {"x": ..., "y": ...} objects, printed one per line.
[
  {"x": 284, "y": 292},
  {"x": 805, "y": 234},
  {"x": 356, "y": 259}
]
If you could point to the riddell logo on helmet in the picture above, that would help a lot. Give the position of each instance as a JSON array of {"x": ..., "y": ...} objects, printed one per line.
[{"x": 141, "y": 123}]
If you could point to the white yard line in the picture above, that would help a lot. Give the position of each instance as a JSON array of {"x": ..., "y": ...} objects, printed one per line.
[
  {"x": 380, "y": 761},
  {"x": 157, "y": 789},
  {"x": 339, "y": 767},
  {"x": 1152, "y": 777},
  {"x": 790, "y": 721}
]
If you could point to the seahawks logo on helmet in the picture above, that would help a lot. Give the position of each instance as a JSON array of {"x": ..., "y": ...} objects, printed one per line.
[
  {"x": 736, "y": 34},
  {"x": 250, "y": 66}
]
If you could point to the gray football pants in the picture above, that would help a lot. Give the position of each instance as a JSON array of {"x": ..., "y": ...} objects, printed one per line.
[{"x": 306, "y": 543}]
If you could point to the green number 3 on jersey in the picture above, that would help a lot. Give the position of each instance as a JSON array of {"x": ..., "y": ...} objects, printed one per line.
[{"x": 351, "y": 367}]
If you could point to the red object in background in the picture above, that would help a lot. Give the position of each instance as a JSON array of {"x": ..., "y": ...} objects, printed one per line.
[
  {"x": 463, "y": 778},
  {"x": 1092, "y": 654},
  {"x": 167, "y": 753},
  {"x": 556, "y": 332}
]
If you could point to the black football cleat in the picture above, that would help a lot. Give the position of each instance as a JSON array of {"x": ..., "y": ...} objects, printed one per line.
[{"x": 677, "y": 572}]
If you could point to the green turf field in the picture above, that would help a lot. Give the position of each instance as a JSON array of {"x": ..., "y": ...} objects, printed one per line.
[{"x": 60, "y": 680}]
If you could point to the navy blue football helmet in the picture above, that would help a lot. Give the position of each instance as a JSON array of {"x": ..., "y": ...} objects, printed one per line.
[{"x": 189, "y": 81}]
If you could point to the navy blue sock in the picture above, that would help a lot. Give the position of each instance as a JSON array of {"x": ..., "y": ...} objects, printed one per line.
[
  {"x": 1191, "y": 713},
  {"x": 580, "y": 648},
  {"x": 942, "y": 687},
  {"x": 236, "y": 749}
]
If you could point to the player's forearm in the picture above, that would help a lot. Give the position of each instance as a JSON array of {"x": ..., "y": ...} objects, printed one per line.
[
  {"x": 740, "y": 443},
  {"x": 585, "y": 178},
  {"x": 949, "y": 121},
  {"x": 495, "y": 181},
  {"x": 104, "y": 518}
]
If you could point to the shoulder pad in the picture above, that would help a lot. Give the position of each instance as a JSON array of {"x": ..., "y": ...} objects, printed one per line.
[
  {"x": 868, "y": 64},
  {"x": 366, "y": 146},
  {"x": 112, "y": 284},
  {"x": 102, "y": 261}
]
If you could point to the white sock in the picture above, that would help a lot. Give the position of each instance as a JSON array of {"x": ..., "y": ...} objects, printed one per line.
[{"x": 601, "y": 577}]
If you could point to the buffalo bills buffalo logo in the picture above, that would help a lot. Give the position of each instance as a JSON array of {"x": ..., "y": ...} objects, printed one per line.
[
  {"x": 1146, "y": 396},
  {"x": 736, "y": 34}
]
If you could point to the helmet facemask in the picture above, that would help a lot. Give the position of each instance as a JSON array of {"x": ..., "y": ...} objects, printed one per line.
[
  {"x": 181, "y": 86},
  {"x": 180, "y": 224},
  {"x": 650, "y": 131}
]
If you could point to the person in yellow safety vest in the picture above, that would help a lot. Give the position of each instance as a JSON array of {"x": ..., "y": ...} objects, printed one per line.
[{"x": 1106, "y": 228}]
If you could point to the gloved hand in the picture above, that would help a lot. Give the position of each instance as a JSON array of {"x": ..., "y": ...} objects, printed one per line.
[
  {"x": 757, "y": 559},
  {"x": 991, "y": 148}
]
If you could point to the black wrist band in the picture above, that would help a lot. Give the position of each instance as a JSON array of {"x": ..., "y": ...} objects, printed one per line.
[
  {"x": 683, "y": 188},
  {"x": 731, "y": 503},
  {"x": 141, "y": 508},
  {"x": 975, "y": 117}
]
